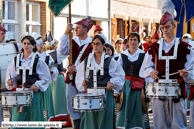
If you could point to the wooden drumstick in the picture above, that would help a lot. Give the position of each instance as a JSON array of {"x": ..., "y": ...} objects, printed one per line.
[
  {"x": 84, "y": 70},
  {"x": 10, "y": 78},
  {"x": 175, "y": 73},
  {"x": 155, "y": 65}
]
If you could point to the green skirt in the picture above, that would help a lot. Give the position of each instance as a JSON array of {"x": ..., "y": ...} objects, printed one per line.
[
  {"x": 101, "y": 119},
  {"x": 48, "y": 104},
  {"x": 59, "y": 98},
  {"x": 30, "y": 113},
  {"x": 188, "y": 101},
  {"x": 130, "y": 114},
  {"x": 146, "y": 119}
]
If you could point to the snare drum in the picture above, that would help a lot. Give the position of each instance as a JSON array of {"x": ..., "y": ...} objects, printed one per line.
[
  {"x": 16, "y": 99},
  {"x": 162, "y": 90},
  {"x": 88, "y": 102},
  {"x": 7, "y": 53}
]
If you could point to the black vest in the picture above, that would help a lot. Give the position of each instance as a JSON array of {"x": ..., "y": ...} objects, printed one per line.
[
  {"x": 59, "y": 66},
  {"x": 101, "y": 79},
  {"x": 132, "y": 68},
  {"x": 30, "y": 79}
]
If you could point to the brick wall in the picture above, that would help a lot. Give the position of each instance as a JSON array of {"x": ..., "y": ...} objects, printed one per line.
[
  {"x": 43, "y": 17},
  {"x": 46, "y": 18},
  {"x": 136, "y": 8}
]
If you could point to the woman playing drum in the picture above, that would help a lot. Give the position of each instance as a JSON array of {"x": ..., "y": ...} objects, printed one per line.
[
  {"x": 112, "y": 79},
  {"x": 37, "y": 80},
  {"x": 131, "y": 114}
]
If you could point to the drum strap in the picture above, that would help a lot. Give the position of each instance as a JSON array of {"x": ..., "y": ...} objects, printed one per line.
[
  {"x": 16, "y": 47},
  {"x": 47, "y": 60},
  {"x": 89, "y": 67},
  {"x": 22, "y": 70}
]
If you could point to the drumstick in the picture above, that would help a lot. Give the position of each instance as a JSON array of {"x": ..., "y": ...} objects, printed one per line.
[
  {"x": 84, "y": 70},
  {"x": 175, "y": 73},
  {"x": 10, "y": 78},
  {"x": 155, "y": 65}
]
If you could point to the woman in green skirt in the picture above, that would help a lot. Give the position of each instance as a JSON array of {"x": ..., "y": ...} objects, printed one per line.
[
  {"x": 112, "y": 78},
  {"x": 49, "y": 114},
  {"x": 131, "y": 113},
  {"x": 58, "y": 86},
  {"x": 37, "y": 81}
]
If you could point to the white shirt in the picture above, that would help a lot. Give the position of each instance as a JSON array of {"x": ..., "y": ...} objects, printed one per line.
[
  {"x": 115, "y": 71},
  {"x": 148, "y": 66},
  {"x": 42, "y": 70},
  {"x": 132, "y": 58},
  {"x": 64, "y": 45},
  {"x": 51, "y": 63}
]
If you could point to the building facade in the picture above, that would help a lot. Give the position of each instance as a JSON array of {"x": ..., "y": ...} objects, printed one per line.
[
  {"x": 97, "y": 10},
  {"x": 127, "y": 14},
  {"x": 25, "y": 17}
]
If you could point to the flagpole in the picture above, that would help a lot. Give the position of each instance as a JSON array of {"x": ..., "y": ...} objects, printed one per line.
[{"x": 70, "y": 39}]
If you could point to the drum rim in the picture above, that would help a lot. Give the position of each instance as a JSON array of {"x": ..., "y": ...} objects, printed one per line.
[
  {"x": 87, "y": 95},
  {"x": 161, "y": 84},
  {"x": 162, "y": 97},
  {"x": 88, "y": 110},
  {"x": 15, "y": 93},
  {"x": 16, "y": 105}
]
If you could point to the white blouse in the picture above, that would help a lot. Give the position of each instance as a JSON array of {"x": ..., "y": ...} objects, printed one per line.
[
  {"x": 148, "y": 66},
  {"x": 132, "y": 58},
  {"x": 51, "y": 63},
  {"x": 42, "y": 70},
  {"x": 115, "y": 71}
]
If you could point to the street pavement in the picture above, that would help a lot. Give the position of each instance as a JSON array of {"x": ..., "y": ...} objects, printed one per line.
[{"x": 7, "y": 116}]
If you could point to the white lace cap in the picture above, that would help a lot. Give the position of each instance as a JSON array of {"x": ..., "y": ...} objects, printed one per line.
[{"x": 39, "y": 42}]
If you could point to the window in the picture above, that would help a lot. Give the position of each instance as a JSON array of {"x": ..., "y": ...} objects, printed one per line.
[
  {"x": 32, "y": 18},
  {"x": 10, "y": 22}
]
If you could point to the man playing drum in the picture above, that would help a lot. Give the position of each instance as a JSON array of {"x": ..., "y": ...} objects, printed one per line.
[
  {"x": 169, "y": 113},
  {"x": 81, "y": 46}
]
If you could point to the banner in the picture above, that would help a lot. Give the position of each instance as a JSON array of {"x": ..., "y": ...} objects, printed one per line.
[{"x": 56, "y": 6}]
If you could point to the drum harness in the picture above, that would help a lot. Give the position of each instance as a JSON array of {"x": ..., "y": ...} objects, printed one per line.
[
  {"x": 167, "y": 59},
  {"x": 78, "y": 58},
  {"x": 95, "y": 69}
]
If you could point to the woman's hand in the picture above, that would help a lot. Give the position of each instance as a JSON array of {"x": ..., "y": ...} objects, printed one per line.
[
  {"x": 11, "y": 82},
  {"x": 110, "y": 86},
  {"x": 154, "y": 74},
  {"x": 34, "y": 88},
  {"x": 116, "y": 97},
  {"x": 85, "y": 83}
]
